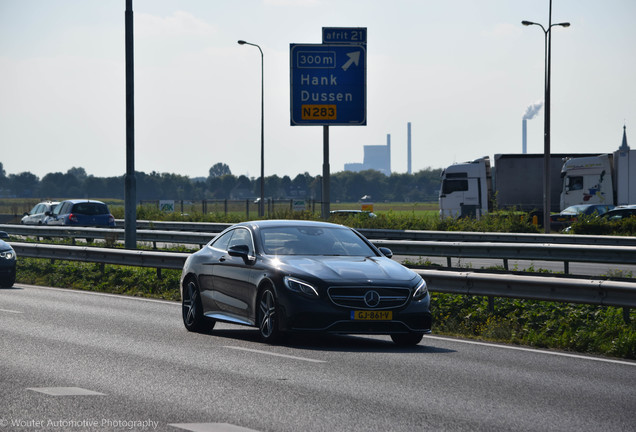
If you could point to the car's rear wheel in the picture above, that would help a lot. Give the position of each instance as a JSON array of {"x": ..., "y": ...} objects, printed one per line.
[
  {"x": 407, "y": 339},
  {"x": 267, "y": 318},
  {"x": 192, "y": 310}
]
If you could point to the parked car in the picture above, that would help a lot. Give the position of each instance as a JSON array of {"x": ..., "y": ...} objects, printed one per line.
[
  {"x": 620, "y": 212},
  {"x": 7, "y": 262},
  {"x": 38, "y": 213},
  {"x": 570, "y": 215},
  {"x": 303, "y": 276},
  {"x": 81, "y": 213},
  {"x": 337, "y": 213}
]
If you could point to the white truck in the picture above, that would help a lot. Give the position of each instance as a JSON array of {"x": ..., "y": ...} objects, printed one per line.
[
  {"x": 515, "y": 181},
  {"x": 603, "y": 179}
]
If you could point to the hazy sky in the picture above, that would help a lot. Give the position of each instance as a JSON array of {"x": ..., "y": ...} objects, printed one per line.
[{"x": 462, "y": 72}]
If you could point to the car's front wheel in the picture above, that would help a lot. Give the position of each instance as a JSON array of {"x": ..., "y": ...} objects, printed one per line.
[
  {"x": 267, "y": 318},
  {"x": 8, "y": 281},
  {"x": 192, "y": 310},
  {"x": 407, "y": 339}
]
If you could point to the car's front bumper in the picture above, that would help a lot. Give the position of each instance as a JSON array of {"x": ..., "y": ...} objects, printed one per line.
[{"x": 302, "y": 314}]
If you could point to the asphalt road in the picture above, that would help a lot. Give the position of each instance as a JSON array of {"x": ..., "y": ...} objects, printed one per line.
[{"x": 78, "y": 361}]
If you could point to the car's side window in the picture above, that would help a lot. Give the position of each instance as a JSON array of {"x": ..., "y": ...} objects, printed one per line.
[
  {"x": 222, "y": 241},
  {"x": 242, "y": 237},
  {"x": 59, "y": 208}
]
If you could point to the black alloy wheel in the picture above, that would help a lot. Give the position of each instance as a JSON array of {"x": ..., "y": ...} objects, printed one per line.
[
  {"x": 192, "y": 310},
  {"x": 267, "y": 318}
]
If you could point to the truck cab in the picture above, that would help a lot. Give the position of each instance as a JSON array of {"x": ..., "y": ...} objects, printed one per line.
[
  {"x": 587, "y": 180},
  {"x": 465, "y": 187}
]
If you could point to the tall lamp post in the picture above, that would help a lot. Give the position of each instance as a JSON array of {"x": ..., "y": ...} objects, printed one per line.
[
  {"x": 261, "y": 203},
  {"x": 546, "y": 111}
]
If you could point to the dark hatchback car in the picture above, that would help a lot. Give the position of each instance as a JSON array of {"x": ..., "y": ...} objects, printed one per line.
[
  {"x": 87, "y": 213},
  {"x": 620, "y": 212},
  {"x": 571, "y": 214},
  {"x": 302, "y": 276},
  {"x": 7, "y": 262}
]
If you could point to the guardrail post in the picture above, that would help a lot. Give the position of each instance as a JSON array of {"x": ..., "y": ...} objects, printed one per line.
[
  {"x": 566, "y": 267},
  {"x": 505, "y": 263},
  {"x": 247, "y": 208},
  {"x": 626, "y": 316},
  {"x": 159, "y": 273},
  {"x": 225, "y": 206},
  {"x": 491, "y": 304},
  {"x": 449, "y": 262}
]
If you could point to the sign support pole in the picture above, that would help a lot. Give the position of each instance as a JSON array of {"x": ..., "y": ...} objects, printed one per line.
[
  {"x": 130, "y": 183},
  {"x": 325, "y": 174}
]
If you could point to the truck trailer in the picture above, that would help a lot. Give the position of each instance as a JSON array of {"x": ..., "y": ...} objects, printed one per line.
[{"x": 515, "y": 181}]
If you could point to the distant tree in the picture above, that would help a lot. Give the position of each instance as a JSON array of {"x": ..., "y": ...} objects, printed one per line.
[
  {"x": 219, "y": 170},
  {"x": 24, "y": 185},
  {"x": 2, "y": 173},
  {"x": 77, "y": 172}
]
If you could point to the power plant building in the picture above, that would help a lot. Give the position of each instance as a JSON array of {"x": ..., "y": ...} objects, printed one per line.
[{"x": 376, "y": 157}]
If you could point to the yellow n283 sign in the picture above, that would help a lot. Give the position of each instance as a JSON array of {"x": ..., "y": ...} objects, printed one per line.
[{"x": 319, "y": 112}]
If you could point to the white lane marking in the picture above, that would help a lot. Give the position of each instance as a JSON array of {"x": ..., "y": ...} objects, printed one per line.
[
  {"x": 11, "y": 311},
  {"x": 146, "y": 299},
  {"x": 275, "y": 354},
  {"x": 65, "y": 391},
  {"x": 538, "y": 351},
  {"x": 211, "y": 427}
]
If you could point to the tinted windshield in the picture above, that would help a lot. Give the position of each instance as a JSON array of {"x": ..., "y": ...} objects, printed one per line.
[{"x": 302, "y": 240}]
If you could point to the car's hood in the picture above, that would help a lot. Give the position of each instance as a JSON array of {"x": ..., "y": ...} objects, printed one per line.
[{"x": 347, "y": 268}]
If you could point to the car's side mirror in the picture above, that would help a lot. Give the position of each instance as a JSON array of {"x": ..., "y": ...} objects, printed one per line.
[
  {"x": 386, "y": 252},
  {"x": 242, "y": 251}
]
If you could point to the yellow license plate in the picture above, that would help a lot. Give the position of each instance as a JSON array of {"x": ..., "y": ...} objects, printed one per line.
[{"x": 372, "y": 315}]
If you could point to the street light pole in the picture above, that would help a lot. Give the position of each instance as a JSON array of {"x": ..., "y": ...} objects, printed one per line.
[
  {"x": 261, "y": 202},
  {"x": 546, "y": 112}
]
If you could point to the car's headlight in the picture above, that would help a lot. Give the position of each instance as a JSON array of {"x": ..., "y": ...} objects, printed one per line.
[
  {"x": 7, "y": 254},
  {"x": 299, "y": 286},
  {"x": 420, "y": 291}
]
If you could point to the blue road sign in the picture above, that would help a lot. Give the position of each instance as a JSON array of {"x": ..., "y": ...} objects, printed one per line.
[
  {"x": 346, "y": 35},
  {"x": 328, "y": 84}
]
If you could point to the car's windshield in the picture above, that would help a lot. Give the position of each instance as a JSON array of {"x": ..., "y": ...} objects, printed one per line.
[{"x": 308, "y": 240}]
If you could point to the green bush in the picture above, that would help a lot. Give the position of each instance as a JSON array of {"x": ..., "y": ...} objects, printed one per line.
[{"x": 580, "y": 328}]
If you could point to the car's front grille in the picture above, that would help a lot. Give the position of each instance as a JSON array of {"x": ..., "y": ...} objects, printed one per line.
[{"x": 359, "y": 297}]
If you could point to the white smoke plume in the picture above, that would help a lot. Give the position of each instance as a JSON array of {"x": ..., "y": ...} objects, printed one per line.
[{"x": 532, "y": 110}]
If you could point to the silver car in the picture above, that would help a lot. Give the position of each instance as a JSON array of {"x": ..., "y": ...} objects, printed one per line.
[{"x": 38, "y": 213}]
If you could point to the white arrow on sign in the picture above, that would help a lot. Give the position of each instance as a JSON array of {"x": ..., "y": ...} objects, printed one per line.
[{"x": 354, "y": 57}]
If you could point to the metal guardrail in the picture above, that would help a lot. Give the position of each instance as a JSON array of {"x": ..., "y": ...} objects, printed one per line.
[
  {"x": 125, "y": 257},
  {"x": 545, "y": 288},
  {"x": 504, "y": 251},
  {"x": 387, "y": 234},
  {"x": 145, "y": 227},
  {"x": 111, "y": 234}
]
